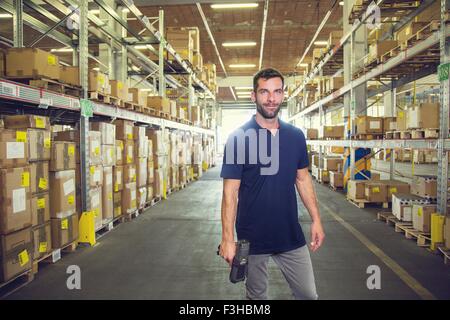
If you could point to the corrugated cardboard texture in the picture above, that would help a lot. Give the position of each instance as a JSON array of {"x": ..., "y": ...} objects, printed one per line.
[
  {"x": 356, "y": 189},
  {"x": 117, "y": 197},
  {"x": 15, "y": 199},
  {"x": 119, "y": 152},
  {"x": 64, "y": 231},
  {"x": 40, "y": 209},
  {"x": 13, "y": 148},
  {"x": 129, "y": 198},
  {"x": 108, "y": 155},
  {"x": 124, "y": 130},
  {"x": 62, "y": 156},
  {"x": 27, "y": 121},
  {"x": 62, "y": 194},
  {"x": 70, "y": 75},
  {"x": 141, "y": 172},
  {"x": 107, "y": 130},
  {"x": 107, "y": 194},
  {"x": 13, "y": 247},
  {"x": 129, "y": 173},
  {"x": 376, "y": 191},
  {"x": 39, "y": 176},
  {"x": 39, "y": 144},
  {"x": 42, "y": 240},
  {"x": 118, "y": 178},
  {"x": 95, "y": 195},
  {"x": 31, "y": 63}
]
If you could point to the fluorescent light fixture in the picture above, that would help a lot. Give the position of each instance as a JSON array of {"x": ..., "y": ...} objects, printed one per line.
[
  {"x": 62, "y": 50},
  {"x": 135, "y": 68},
  {"x": 96, "y": 69},
  {"x": 320, "y": 43},
  {"x": 243, "y": 88},
  {"x": 234, "y": 5},
  {"x": 242, "y": 65},
  {"x": 126, "y": 10},
  {"x": 141, "y": 47},
  {"x": 5, "y": 16},
  {"x": 146, "y": 90},
  {"x": 303, "y": 65},
  {"x": 239, "y": 44},
  {"x": 97, "y": 11},
  {"x": 341, "y": 3}
]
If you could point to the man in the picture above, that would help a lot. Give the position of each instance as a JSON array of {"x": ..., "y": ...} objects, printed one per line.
[{"x": 264, "y": 206}]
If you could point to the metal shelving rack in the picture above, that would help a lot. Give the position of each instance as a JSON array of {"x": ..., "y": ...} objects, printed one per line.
[
  {"x": 91, "y": 25},
  {"x": 438, "y": 39}
]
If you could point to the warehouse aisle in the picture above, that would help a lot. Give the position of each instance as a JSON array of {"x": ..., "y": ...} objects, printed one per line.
[{"x": 170, "y": 253}]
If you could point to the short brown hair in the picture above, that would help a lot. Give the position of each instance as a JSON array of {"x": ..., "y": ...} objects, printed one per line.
[{"x": 266, "y": 74}]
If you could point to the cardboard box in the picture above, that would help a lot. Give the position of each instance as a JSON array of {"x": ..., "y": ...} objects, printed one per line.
[
  {"x": 141, "y": 148},
  {"x": 107, "y": 195},
  {"x": 99, "y": 82},
  {"x": 376, "y": 191},
  {"x": 62, "y": 156},
  {"x": 335, "y": 38},
  {"x": 424, "y": 186},
  {"x": 138, "y": 96},
  {"x": 156, "y": 136},
  {"x": 403, "y": 155},
  {"x": 129, "y": 173},
  {"x": 336, "y": 83},
  {"x": 356, "y": 189},
  {"x": 159, "y": 103},
  {"x": 124, "y": 130},
  {"x": 117, "y": 198},
  {"x": 129, "y": 198},
  {"x": 332, "y": 132},
  {"x": 40, "y": 209},
  {"x": 64, "y": 231},
  {"x": 379, "y": 48},
  {"x": 107, "y": 130},
  {"x": 336, "y": 179},
  {"x": 39, "y": 177},
  {"x": 2, "y": 63},
  {"x": 324, "y": 176},
  {"x": 173, "y": 108},
  {"x": 367, "y": 125},
  {"x": 26, "y": 121},
  {"x": 337, "y": 150},
  {"x": 70, "y": 75},
  {"x": 142, "y": 197},
  {"x": 402, "y": 205},
  {"x": 394, "y": 186},
  {"x": 118, "y": 178},
  {"x": 16, "y": 253},
  {"x": 39, "y": 145},
  {"x": 119, "y": 89},
  {"x": 95, "y": 176},
  {"x": 62, "y": 194},
  {"x": 150, "y": 195},
  {"x": 333, "y": 164},
  {"x": 150, "y": 150},
  {"x": 409, "y": 30},
  {"x": 13, "y": 148},
  {"x": 42, "y": 240},
  {"x": 128, "y": 152},
  {"x": 158, "y": 183},
  {"x": 312, "y": 134},
  {"x": 119, "y": 152},
  {"x": 141, "y": 172},
  {"x": 15, "y": 199},
  {"x": 95, "y": 195},
  {"x": 95, "y": 154},
  {"x": 401, "y": 120},
  {"x": 108, "y": 155},
  {"x": 389, "y": 124},
  {"x": 421, "y": 216},
  {"x": 31, "y": 63},
  {"x": 426, "y": 115},
  {"x": 150, "y": 173}
]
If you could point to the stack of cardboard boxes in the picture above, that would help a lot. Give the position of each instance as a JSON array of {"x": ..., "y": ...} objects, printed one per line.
[
  {"x": 125, "y": 133},
  {"x": 173, "y": 172},
  {"x": 160, "y": 159},
  {"x": 141, "y": 162},
  {"x": 150, "y": 171},
  {"x": 197, "y": 156},
  {"x": 118, "y": 177},
  {"x": 15, "y": 204}
]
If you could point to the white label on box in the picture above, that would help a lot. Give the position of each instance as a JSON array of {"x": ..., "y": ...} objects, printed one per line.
[
  {"x": 133, "y": 195},
  {"x": 393, "y": 126},
  {"x": 69, "y": 187},
  {"x": 97, "y": 175},
  {"x": 109, "y": 179},
  {"x": 95, "y": 200},
  {"x": 407, "y": 215},
  {"x": 15, "y": 150},
  {"x": 375, "y": 124},
  {"x": 19, "y": 200}
]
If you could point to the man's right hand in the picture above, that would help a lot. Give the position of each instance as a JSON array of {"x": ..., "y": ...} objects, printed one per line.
[{"x": 228, "y": 251}]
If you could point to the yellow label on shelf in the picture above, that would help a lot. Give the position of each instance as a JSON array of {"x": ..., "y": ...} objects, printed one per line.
[
  {"x": 43, "y": 247},
  {"x": 70, "y": 199},
  {"x": 21, "y": 136},
  {"x": 25, "y": 179},
  {"x": 116, "y": 187},
  {"x": 47, "y": 143},
  {"x": 23, "y": 258},
  {"x": 71, "y": 150},
  {"x": 110, "y": 196},
  {"x": 64, "y": 224},
  {"x": 97, "y": 151},
  {"x": 376, "y": 189},
  {"x": 40, "y": 122},
  {"x": 393, "y": 190},
  {"x": 51, "y": 60},
  {"x": 42, "y": 183},
  {"x": 420, "y": 212},
  {"x": 92, "y": 170},
  {"x": 41, "y": 203}
]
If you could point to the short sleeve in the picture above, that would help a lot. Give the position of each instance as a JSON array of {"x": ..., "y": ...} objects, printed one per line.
[
  {"x": 231, "y": 169},
  {"x": 303, "y": 160}
]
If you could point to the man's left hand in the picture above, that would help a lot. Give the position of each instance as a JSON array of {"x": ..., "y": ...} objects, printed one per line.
[{"x": 317, "y": 235}]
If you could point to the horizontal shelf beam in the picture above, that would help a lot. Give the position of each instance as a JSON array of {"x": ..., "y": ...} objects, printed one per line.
[{"x": 431, "y": 144}]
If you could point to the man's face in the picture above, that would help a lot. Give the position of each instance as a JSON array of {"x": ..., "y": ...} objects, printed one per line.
[{"x": 268, "y": 97}]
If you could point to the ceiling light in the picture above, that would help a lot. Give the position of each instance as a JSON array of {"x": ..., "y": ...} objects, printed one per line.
[
  {"x": 136, "y": 68},
  {"x": 239, "y": 44},
  {"x": 62, "y": 50},
  {"x": 95, "y": 11},
  {"x": 303, "y": 65},
  {"x": 234, "y": 5},
  {"x": 5, "y": 16},
  {"x": 96, "y": 69},
  {"x": 242, "y": 65},
  {"x": 141, "y": 47},
  {"x": 341, "y": 3},
  {"x": 146, "y": 90},
  {"x": 243, "y": 88},
  {"x": 320, "y": 43}
]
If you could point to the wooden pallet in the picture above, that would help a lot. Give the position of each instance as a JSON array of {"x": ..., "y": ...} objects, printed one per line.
[
  {"x": 9, "y": 287},
  {"x": 361, "y": 203},
  {"x": 105, "y": 228},
  {"x": 389, "y": 135},
  {"x": 54, "y": 256},
  {"x": 56, "y": 86},
  {"x": 385, "y": 216},
  {"x": 334, "y": 188},
  {"x": 130, "y": 216},
  {"x": 164, "y": 115},
  {"x": 105, "y": 98},
  {"x": 446, "y": 253},
  {"x": 422, "y": 34},
  {"x": 423, "y": 239}
]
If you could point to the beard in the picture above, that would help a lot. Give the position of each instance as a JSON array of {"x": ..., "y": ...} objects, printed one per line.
[{"x": 267, "y": 114}]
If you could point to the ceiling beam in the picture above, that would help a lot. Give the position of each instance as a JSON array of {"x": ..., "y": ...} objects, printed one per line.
[
  {"x": 263, "y": 33},
  {"x": 144, "y": 3}
]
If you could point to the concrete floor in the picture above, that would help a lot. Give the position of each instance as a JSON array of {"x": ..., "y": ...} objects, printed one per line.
[{"x": 170, "y": 253}]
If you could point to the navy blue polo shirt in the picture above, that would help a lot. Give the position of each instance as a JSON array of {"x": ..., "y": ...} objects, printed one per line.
[{"x": 267, "y": 205}]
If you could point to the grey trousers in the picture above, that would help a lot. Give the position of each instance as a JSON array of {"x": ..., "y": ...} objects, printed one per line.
[{"x": 296, "y": 267}]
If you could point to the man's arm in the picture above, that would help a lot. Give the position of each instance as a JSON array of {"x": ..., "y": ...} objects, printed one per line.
[
  {"x": 229, "y": 211},
  {"x": 307, "y": 193}
]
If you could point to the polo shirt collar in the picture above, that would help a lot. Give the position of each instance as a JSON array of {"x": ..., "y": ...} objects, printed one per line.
[{"x": 254, "y": 124}]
